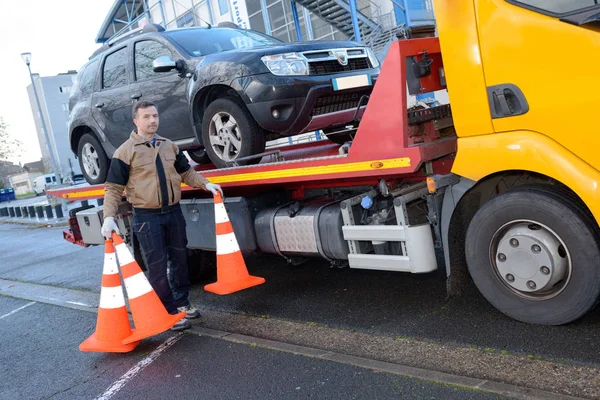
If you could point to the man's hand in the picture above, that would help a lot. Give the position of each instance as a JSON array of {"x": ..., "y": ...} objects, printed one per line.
[
  {"x": 214, "y": 188},
  {"x": 108, "y": 227}
]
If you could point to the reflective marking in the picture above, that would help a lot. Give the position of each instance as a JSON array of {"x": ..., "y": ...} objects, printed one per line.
[
  {"x": 124, "y": 255},
  {"x": 227, "y": 244},
  {"x": 17, "y": 310},
  {"x": 220, "y": 213},
  {"x": 129, "y": 375},
  {"x": 137, "y": 285},
  {"x": 110, "y": 264},
  {"x": 112, "y": 297}
]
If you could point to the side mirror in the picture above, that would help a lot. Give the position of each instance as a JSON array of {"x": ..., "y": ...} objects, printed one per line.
[{"x": 164, "y": 64}]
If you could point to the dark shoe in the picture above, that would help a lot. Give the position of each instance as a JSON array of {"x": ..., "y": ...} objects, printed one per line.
[
  {"x": 181, "y": 325},
  {"x": 190, "y": 312}
]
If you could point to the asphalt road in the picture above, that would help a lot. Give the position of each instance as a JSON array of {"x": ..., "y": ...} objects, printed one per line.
[
  {"x": 40, "y": 360},
  {"x": 392, "y": 304}
]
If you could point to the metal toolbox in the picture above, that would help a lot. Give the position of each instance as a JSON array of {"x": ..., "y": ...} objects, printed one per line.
[{"x": 90, "y": 222}]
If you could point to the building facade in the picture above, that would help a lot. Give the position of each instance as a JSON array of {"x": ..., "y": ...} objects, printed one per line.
[
  {"x": 53, "y": 92},
  {"x": 287, "y": 20}
]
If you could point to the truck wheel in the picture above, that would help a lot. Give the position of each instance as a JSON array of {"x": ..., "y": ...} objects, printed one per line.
[
  {"x": 533, "y": 253},
  {"x": 92, "y": 159},
  {"x": 229, "y": 132},
  {"x": 199, "y": 156}
]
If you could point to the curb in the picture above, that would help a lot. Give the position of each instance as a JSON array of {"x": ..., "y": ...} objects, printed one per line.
[{"x": 499, "y": 388}]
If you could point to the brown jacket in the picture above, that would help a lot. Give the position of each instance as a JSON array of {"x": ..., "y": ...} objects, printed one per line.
[{"x": 149, "y": 181}]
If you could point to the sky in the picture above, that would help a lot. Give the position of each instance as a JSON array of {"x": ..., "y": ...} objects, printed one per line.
[{"x": 60, "y": 35}]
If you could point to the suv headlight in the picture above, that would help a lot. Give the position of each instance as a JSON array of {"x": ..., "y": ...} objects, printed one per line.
[
  {"x": 373, "y": 58},
  {"x": 287, "y": 64}
]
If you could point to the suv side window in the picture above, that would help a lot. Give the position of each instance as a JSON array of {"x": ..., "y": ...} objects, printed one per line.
[
  {"x": 145, "y": 52},
  {"x": 86, "y": 78},
  {"x": 114, "y": 70},
  {"x": 555, "y": 7}
]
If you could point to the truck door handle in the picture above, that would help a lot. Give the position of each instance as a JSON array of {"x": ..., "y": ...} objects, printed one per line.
[
  {"x": 99, "y": 105},
  {"x": 506, "y": 100},
  {"x": 136, "y": 96}
]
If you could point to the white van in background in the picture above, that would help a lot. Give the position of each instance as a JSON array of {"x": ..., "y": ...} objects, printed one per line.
[{"x": 41, "y": 182}]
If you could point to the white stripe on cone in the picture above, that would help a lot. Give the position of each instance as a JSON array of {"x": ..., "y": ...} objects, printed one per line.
[
  {"x": 110, "y": 264},
  {"x": 137, "y": 285},
  {"x": 227, "y": 244},
  {"x": 112, "y": 297},
  {"x": 123, "y": 254},
  {"x": 220, "y": 213}
]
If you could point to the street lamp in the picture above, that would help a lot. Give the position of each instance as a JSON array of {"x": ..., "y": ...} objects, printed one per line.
[{"x": 27, "y": 59}]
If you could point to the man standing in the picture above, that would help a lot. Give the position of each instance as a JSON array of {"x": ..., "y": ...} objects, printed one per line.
[{"x": 151, "y": 169}]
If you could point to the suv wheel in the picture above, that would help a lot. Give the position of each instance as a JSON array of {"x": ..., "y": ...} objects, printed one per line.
[
  {"x": 229, "y": 132},
  {"x": 199, "y": 156},
  {"x": 92, "y": 159}
]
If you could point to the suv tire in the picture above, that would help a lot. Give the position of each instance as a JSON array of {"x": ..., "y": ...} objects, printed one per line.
[
  {"x": 92, "y": 159},
  {"x": 229, "y": 132}
]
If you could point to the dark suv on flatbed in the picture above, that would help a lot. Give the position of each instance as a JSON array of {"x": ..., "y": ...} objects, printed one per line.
[{"x": 221, "y": 92}]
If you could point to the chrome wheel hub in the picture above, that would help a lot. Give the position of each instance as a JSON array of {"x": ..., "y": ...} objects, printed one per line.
[
  {"x": 530, "y": 259},
  {"x": 90, "y": 161},
  {"x": 225, "y": 138}
]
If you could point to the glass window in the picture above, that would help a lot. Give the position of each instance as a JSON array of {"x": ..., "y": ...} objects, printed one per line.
[
  {"x": 557, "y": 6},
  {"x": 85, "y": 78},
  {"x": 200, "y": 42},
  {"x": 186, "y": 20},
  {"x": 276, "y": 16},
  {"x": 252, "y": 6},
  {"x": 223, "y": 7},
  {"x": 48, "y": 180},
  {"x": 145, "y": 53},
  {"x": 282, "y": 34},
  {"x": 114, "y": 72},
  {"x": 257, "y": 22}
]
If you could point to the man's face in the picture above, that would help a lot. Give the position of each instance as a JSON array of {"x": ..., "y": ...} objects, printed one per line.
[{"x": 147, "y": 120}]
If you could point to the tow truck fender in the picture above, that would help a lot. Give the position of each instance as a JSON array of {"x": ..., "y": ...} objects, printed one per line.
[{"x": 481, "y": 157}]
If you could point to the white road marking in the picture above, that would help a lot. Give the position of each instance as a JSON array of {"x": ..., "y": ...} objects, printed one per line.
[
  {"x": 18, "y": 309},
  {"x": 136, "y": 369}
]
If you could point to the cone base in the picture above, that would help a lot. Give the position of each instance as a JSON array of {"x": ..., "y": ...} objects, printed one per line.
[
  {"x": 93, "y": 344},
  {"x": 230, "y": 287},
  {"x": 144, "y": 333}
]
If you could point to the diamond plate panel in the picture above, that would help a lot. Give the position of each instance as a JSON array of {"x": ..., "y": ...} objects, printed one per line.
[{"x": 296, "y": 234}]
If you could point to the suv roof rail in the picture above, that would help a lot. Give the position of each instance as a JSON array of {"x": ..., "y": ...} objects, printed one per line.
[
  {"x": 144, "y": 29},
  {"x": 228, "y": 24}
]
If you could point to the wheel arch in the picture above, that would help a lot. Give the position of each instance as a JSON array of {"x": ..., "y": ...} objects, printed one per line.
[
  {"x": 461, "y": 203},
  {"x": 207, "y": 95}
]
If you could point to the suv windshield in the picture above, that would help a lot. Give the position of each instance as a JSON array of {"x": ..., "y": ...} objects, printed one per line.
[{"x": 201, "y": 42}]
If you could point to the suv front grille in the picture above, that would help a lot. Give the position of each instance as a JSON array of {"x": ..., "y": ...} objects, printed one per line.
[
  {"x": 333, "y": 66},
  {"x": 338, "y": 102}
]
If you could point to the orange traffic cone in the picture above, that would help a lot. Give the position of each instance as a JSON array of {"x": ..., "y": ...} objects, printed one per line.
[
  {"x": 232, "y": 274},
  {"x": 112, "y": 325},
  {"x": 149, "y": 315}
]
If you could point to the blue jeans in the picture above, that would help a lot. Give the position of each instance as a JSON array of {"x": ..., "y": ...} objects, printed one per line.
[{"x": 162, "y": 238}]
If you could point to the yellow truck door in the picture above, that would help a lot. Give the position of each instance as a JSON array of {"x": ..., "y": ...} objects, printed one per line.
[{"x": 540, "y": 60}]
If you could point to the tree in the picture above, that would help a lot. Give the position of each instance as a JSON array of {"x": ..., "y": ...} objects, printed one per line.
[{"x": 9, "y": 146}]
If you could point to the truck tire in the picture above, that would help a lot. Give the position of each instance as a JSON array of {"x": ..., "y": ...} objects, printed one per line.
[
  {"x": 229, "y": 132},
  {"x": 92, "y": 159},
  {"x": 199, "y": 156},
  {"x": 533, "y": 253}
]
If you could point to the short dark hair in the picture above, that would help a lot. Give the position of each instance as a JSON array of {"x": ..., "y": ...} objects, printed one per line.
[{"x": 142, "y": 104}]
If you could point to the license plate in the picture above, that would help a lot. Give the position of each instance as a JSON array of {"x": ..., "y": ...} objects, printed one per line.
[{"x": 349, "y": 82}]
